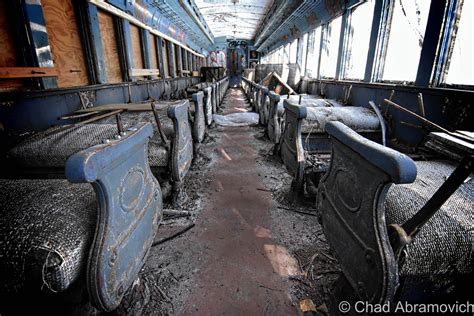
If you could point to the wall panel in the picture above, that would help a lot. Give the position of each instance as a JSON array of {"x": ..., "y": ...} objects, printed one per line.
[
  {"x": 109, "y": 43},
  {"x": 65, "y": 41}
]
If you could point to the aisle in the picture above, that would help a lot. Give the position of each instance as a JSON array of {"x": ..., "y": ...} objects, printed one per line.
[{"x": 244, "y": 271}]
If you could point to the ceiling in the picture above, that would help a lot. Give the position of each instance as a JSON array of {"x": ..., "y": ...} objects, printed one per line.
[{"x": 234, "y": 18}]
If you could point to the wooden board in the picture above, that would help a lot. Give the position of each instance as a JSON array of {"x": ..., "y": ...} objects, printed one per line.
[
  {"x": 28, "y": 72},
  {"x": 154, "y": 52},
  {"x": 109, "y": 43},
  {"x": 7, "y": 52},
  {"x": 274, "y": 82},
  {"x": 136, "y": 48},
  {"x": 65, "y": 42},
  {"x": 143, "y": 72},
  {"x": 128, "y": 106}
]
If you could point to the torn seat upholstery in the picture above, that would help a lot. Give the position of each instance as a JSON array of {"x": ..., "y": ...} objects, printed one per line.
[{"x": 391, "y": 188}]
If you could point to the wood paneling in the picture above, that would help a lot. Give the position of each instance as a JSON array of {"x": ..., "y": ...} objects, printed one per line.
[
  {"x": 136, "y": 48},
  {"x": 154, "y": 51},
  {"x": 109, "y": 43},
  {"x": 65, "y": 42},
  {"x": 7, "y": 51}
]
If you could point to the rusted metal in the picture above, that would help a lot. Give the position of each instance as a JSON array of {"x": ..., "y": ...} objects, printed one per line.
[{"x": 397, "y": 106}]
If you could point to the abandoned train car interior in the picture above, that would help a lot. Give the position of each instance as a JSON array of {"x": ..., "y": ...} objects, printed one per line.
[{"x": 236, "y": 157}]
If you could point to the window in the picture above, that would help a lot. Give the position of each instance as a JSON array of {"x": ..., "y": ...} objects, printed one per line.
[
  {"x": 293, "y": 49},
  {"x": 286, "y": 54},
  {"x": 304, "y": 49},
  {"x": 330, "y": 48},
  {"x": 406, "y": 39},
  {"x": 312, "y": 62},
  {"x": 359, "y": 40},
  {"x": 461, "y": 66}
]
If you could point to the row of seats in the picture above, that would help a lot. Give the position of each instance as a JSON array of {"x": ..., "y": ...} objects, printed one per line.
[
  {"x": 90, "y": 233},
  {"x": 366, "y": 193}
]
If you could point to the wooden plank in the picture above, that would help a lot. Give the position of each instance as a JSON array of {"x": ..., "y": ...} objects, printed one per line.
[
  {"x": 109, "y": 43},
  {"x": 127, "y": 106},
  {"x": 136, "y": 48},
  {"x": 28, "y": 72},
  {"x": 134, "y": 72},
  {"x": 7, "y": 53},
  {"x": 65, "y": 41}
]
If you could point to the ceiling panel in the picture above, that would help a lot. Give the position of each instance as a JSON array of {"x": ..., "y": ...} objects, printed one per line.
[{"x": 234, "y": 18}]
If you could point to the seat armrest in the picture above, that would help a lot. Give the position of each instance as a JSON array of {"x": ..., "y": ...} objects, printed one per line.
[
  {"x": 399, "y": 167},
  {"x": 130, "y": 208}
]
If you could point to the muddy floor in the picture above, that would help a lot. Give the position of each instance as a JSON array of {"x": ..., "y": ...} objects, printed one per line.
[{"x": 247, "y": 250}]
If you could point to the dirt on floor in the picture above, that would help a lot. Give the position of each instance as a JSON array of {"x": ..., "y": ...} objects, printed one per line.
[{"x": 172, "y": 274}]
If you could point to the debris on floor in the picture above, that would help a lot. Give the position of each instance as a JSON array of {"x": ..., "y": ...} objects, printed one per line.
[
  {"x": 242, "y": 243},
  {"x": 237, "y": 119}
]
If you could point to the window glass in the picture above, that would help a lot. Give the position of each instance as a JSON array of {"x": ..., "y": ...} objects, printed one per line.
[
  {"x": 304, "y": 48},
  {"x": 312, "y": 62},
  {"x": 286, "y": 54},
  {"x": 359, "y": 40},
  {"x": 293, "y": 49},
  {"x": 330, "y": 49},
  {"x": 406, "y": 39},
  {"x": 461, "y": 67}
]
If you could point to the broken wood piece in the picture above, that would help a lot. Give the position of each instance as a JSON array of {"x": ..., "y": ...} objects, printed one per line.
[
  {"x": 307, "y": 307},
  {"x": 296, "y": 211},
  {"x": 397, "y": 106},
  {"x": 162, "y": 293},
  {"x": 176, "y": 212},
  {"x": 174, "y": 235},
  {"x": 136, "y": 72}
]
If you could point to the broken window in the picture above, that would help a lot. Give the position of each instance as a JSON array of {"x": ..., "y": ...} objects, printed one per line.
[
  {"x": 461, "y": 68},
  {"x": 405, "y": 41},
  {"x": 359, "y": 40},
  {"x": 312, "y": 63},
  {"x": 330, "y": 49}
]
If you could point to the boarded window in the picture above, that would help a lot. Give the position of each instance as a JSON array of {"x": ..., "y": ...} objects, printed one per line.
[
  {"x": 461, "y": 67},
  {"x": 359, "y": 40},
  {"x": 65, "y": 42},
  {"x": 330, "y": 49},
  {"x": 109, "y": 44},
  {"x": 8, "y": 52},
  {"x": 137, "y": 48},
  {"x": 154, "y": 52},
  {"x": 407, "y": 32}
]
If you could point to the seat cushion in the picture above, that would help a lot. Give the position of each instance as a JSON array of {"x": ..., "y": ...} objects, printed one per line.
[
  {"x": 52, "y": 147},
  {"x": 308, "y": 101},
  {"x": 46, "y": 229},
  {"x": 445, "y": 244},
  {"x": 359, "y": 119}
]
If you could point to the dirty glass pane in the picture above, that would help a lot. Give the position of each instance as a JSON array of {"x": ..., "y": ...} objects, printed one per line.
[
  {"x": 359, "y": 38},
  {"x": 293, "y": 48},
  {"x": 406, "y": 39},
  {"x": 461, "y": 67},
  {"x": 330, "y": 49},
  {"x": 286, "y": 54},
  {"x": 314, "y": 43},
  {"x": 304, "y": 48}
]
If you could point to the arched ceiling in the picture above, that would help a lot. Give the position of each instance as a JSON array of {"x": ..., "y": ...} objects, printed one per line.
[{"x": 234, "y": 18}]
